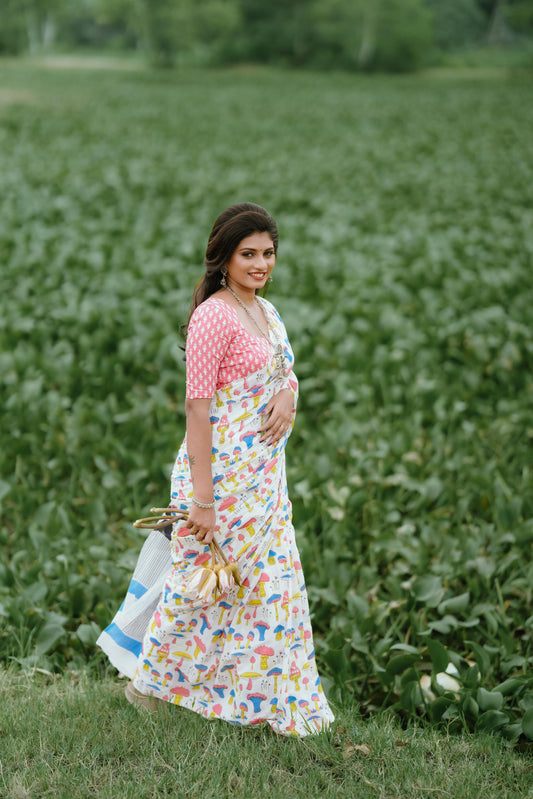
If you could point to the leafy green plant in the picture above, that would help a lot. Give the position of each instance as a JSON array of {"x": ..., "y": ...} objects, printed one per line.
[{"x": 405, "y": 210}]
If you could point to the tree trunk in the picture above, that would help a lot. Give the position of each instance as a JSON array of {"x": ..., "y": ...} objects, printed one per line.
[
  {"x": 40, "y": 31},
  {"x": 49, "y": 31},
  {"x": 32, "y": 32},
  {"x": 499, "y": 31},
  {"x": 367, "y": 48}
]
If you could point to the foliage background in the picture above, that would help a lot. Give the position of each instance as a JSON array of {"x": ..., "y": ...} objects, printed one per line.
[
  {"x": 369, "y": 35},
  {"x": 406, "y": 214}
]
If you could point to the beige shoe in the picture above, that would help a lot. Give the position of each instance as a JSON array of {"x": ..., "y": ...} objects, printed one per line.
[{"x": 135, "y": 697}]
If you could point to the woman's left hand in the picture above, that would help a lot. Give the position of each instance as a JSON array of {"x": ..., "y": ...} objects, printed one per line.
[{"x": 279, "y": 413}]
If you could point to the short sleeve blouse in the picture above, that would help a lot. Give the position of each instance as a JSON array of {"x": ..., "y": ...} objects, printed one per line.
[{"x": 219, "y": 349}]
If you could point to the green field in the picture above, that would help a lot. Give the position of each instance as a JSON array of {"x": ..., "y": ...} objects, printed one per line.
[{"x": 405, "y": 208}]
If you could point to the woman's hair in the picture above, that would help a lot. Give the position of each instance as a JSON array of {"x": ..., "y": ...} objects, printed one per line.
[{"x": 232, "y": 226}]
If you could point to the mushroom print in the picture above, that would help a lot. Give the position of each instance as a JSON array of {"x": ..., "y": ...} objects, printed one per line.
[{"x": 246, "y": 655}]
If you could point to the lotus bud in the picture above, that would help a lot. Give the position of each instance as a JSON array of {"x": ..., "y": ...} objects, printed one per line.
[
  {"x": 224, "y": 579},
  {"x": 235, "y": 573},
  {"x": 208, "y": 587},
  {"x": 197, "y": 579}
]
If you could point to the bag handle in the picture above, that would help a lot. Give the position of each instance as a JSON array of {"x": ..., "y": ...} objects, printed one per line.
[{"x": 165, "y": 516}]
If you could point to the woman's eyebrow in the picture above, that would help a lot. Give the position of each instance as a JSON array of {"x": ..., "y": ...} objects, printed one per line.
[{"x": 253, "y": 249}]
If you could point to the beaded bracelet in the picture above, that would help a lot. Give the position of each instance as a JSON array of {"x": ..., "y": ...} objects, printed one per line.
[{"x": 203, "y": 505}]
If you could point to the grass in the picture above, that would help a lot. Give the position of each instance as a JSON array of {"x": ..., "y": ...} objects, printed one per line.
[{"x": 73, "y": 738}]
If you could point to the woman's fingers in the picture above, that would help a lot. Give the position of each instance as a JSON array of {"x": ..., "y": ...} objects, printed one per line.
[
  {"x": 277, "y": 418},
  {"x": 202, "y": 524},
  {"x": 205, "y": 536},
  {"x": 275, "y": 422},
  {"x": 275, "y": 432},
  {"x": 269, "y": 407}
]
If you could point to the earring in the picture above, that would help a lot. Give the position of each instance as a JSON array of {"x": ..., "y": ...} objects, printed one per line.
[
  {"x": 223, "y": 278},
  {"x": 270, "y": 280}
]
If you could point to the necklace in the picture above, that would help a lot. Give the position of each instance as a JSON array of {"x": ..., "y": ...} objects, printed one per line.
[
  {"x": 247, "y": 310},
  {"x": 279, "y": 355}
]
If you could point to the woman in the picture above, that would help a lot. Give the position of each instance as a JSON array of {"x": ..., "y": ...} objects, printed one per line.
[{"x": 247, "y": 655}]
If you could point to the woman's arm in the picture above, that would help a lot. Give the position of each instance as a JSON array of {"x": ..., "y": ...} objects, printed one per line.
[{"x": 202, "y": 521}]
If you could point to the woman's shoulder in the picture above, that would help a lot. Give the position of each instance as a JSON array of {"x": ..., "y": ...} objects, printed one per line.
[{"x": 213, "y": 309}]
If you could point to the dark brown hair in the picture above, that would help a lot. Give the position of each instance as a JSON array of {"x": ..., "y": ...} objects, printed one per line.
[{"x": 232, "y": 226}]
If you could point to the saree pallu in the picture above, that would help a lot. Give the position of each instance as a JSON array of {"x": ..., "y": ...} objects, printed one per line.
[
  {"x": 122, "y": 639},
  {"x": 246, "y": 657}
]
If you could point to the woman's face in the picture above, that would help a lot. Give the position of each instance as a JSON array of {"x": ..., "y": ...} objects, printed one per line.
[{"x": 252, "y": 262}]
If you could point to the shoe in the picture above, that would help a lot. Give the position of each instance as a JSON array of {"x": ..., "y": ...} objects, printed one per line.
[{"x": 135, "y": 697}]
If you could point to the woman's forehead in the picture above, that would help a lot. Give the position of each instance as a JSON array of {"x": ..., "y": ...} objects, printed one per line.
[{"x": 256, "y": 241}]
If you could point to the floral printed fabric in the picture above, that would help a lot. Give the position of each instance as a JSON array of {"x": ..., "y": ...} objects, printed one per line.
[{"x": 247, "y": 657}]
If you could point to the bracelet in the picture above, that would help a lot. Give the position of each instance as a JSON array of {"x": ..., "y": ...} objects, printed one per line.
[{"x": 203, "y": 505}]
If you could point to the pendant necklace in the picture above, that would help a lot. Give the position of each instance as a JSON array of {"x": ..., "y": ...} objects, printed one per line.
[{"x": 279, "y": 355}]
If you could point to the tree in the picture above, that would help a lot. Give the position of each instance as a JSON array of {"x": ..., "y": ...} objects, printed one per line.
[
  {"x": 404, "y": 36},
  {"x": 172, "y": 26},
  {"x": 99, "y": 23},
  {"x": 520, "y": 17},
  {"x": 273, "y": 31},
  {"x": 13, "y": 34},
  {"x": 498, "y": 29},
  {"x": 456, "y": 22},
  {"x": 373, "y": 34},
  {"x": 499, "y": 14},
  {"x": 29, "y": 24},
  {"x": 216, "y": 20}
]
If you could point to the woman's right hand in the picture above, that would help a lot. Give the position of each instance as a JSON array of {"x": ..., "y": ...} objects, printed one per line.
[{"x": 202, "y": 523}]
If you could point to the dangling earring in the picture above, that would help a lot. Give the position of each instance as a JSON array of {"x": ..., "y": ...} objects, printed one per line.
[
  {"x": 223, "y": 278},
  {"x": 270, "y": 279}
]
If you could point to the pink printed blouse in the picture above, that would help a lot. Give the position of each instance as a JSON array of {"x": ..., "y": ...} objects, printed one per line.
[{"x": 219, "y": 349}]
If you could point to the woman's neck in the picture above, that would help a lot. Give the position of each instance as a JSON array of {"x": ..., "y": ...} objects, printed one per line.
[{"x": 246, "y": 296}]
